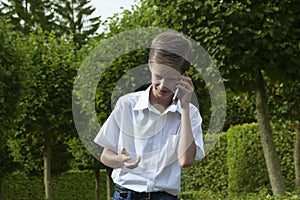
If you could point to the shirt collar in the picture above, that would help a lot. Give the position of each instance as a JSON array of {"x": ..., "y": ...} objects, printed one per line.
[{"x": 144, "y": 103}]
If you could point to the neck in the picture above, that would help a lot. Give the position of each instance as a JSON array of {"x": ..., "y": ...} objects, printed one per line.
[{"x": 159, "y": 103}]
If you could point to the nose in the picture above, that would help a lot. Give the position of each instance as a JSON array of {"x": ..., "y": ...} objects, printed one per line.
[{"x": 164, "y": 84}]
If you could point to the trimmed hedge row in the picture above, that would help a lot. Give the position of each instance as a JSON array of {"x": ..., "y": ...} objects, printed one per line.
[
  {"x": 263, "y": 194},
  {"x": 247, "y": 171},
  {"x": 234, "y": 169},
  {"x": 210, "y": 173},
  {"x": 77, "y": 185},
  {"x": 236, "y": 165}
]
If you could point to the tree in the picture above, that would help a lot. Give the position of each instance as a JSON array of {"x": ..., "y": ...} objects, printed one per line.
[
  {"x": 27, "y": 15},
  {"x": 73, "y": 18},
  {"x": 10, "y": 89},
  {"x": 284, "y": 98},
  {"x": 70, "y": 17},
  {"x": 261, "y": 52},
  {"x": 45, "y": 120}
]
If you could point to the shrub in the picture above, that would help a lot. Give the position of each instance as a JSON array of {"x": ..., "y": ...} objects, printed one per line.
[
  {"x": 72, "y": 185},
  {"x": 209, "y": 173},
  {"x": 200, "y": 195},
  {"x": 247, "y": 171}
]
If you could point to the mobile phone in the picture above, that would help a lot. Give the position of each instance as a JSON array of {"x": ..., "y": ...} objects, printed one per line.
[
  {"x": 176, "y": 91},
  {"x": 175, "y": 94}
]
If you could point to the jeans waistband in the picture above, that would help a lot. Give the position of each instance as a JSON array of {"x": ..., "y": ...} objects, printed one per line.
[{"x": 124, "y": 192}]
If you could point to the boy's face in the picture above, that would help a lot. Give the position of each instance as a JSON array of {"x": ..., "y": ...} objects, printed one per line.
[{"x": 164, "y": 80}]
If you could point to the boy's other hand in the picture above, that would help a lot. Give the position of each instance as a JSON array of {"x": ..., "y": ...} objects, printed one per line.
[{"x": 127, "y": 161}]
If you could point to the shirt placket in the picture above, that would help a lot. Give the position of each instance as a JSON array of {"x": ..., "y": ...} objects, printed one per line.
[{"x": 155, "y": 155}]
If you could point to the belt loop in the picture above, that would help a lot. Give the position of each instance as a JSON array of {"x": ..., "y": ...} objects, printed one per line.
[
  {"x": 149, "y": 196},
  {"x": 129, "y": 196}
]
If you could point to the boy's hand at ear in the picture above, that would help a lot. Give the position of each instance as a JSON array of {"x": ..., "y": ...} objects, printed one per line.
[{"x": 186, "y": 90}]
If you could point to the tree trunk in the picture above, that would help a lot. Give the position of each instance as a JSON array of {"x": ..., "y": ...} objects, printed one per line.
[
  {"x": 97, "y": 179},
  {"x": 47, "y": 165},
  {"x": 108, "y": 183},
  {"x": 270, "y": 154},
  {"x": 297, "y": 157}
]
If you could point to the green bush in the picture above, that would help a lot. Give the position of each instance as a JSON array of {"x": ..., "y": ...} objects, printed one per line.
[
  {"x": 201, "y": 195},
  {"x": 263, "y": 194},
  {"x": 247, "y": 170},
  {"x": 210, "y": 173},
  {"x": 18, "y": 186},
  {"x": 78, "y": 185},
  {"x": 236, "y": 166},
  {"x": 285, "y": 137}
]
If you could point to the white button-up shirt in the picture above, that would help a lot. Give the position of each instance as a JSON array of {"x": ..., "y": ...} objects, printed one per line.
[{"x": 144, "y": 131}]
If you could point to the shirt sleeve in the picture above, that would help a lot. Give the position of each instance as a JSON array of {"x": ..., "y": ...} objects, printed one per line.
[
  {"x": 108, "y": 136},
  {"x": 196, "y": 121}
]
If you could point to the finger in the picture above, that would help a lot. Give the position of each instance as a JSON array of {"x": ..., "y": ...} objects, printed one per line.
[
  {"x": 188, "y": 82},
  {"x": 132, "y": 165},
  {"x": 191, "y": 83},
  {"x": 138, "y": 160},
  {"x": 124, "y": 152},
  {"x": 126, "y": 158},
  {"x": 185, "y": 86}
]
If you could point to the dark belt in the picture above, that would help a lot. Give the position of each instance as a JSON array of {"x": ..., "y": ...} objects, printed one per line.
[{"x": 138, "y": 195}]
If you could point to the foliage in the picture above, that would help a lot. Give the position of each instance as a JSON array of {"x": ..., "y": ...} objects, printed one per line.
[
  {"x": 207, "y": 178},
  {"x": 68, "y": 17},
  {"x": 284, "y": 137},
  {"x": 26, "y": 15},
  {"x": 79, "y": 185},
  {"x": 74, "y": 19},
  {"x": 210, "y": 173},
  {"x": 44, "y": 106},
  {"x": 263, "y": 194},
  {"x": 246, "y": 172},
  {"x": 237, "y": 166},
  {"x": 71, "y": 185},
  {"x": 10, "y": 75},
  {"x": 261, "y": 45},
  {"x": 10, "y": 89},
  {"x": 110, "y": 78},
  {"x": 284, "y": 105},
  {"x": 240, "y": 109},
  {"x": 243, "y": 144}
]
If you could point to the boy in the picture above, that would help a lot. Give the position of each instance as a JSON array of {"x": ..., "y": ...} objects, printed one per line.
[{"x": 152, "y": 134}]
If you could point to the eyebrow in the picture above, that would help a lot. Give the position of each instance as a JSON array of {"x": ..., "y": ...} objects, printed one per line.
[{"x": 170, "y": 78}]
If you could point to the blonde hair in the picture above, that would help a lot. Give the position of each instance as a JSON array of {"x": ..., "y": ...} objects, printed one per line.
[{"x": 171, "y": 49}]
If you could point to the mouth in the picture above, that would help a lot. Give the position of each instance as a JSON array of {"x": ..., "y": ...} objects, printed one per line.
[{"x": 163, "y": 92}]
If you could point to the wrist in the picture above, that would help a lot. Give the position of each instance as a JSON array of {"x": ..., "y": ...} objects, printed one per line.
[
  {"x": 119, "y": 161},
  {"x": 185, "y": 106}
]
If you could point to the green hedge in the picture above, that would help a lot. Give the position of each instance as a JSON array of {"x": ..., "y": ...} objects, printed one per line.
[
  {"x": 210, "y": 173},
  {"x": 67, "y": 186},
  {"x": 236, "y": 166},
  {"x": 247, "y": 170},
  {"x": 285, "y": 137},
  {"x": 263, "y": 194}
]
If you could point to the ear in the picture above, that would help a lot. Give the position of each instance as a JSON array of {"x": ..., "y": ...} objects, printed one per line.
[{"x": 149, "y": 64}]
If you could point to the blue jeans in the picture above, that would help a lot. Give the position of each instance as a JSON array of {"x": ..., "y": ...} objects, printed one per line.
[{"x": 153, "y": 197}]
